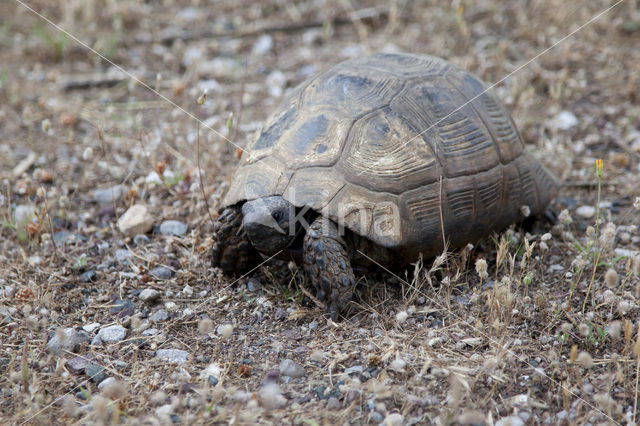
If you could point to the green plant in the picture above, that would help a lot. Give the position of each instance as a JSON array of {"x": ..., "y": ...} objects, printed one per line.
[{"x": 57, "y": 43}]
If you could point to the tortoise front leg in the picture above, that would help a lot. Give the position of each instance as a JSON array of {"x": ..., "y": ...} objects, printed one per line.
[
  {"x": 327, "y": 264},
  {"x": 231, "y": 250}
]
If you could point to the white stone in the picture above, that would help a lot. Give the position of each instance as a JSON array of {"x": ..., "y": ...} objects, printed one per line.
[
  {"x": 586, "y": 211},
  {"x": 136, "y": 220},
  {"x": 564, "y": 120}
]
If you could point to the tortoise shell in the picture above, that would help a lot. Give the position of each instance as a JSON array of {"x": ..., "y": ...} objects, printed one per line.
[{"x": 397, "y": 148}]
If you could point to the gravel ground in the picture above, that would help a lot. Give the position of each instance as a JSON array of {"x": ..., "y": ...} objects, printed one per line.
[{"x": 110, "y": 312}]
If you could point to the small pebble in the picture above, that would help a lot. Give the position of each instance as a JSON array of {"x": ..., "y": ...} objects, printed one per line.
[
  {"x": 333, "y": 403},
  {"x": 141, "y": 240},
  {"x": 586, "y": 211},
  {"x": 136, "y": 220},
  {"x": 376, "y": 417},
  {"x": 70, "y": 342},
  {"x": 394, "y": 419},
  {"x": 108, "y": 195},
  {"x": 290, "y": 368},
  {"x": 122, "y": 255},
  {"x": 77, "y": 365},
  {"x": 151, "y": 332},
  {"x": 263, "y": 45},
  {"x": 90, "y": 328},
  {"x": 564, "y": 120},
  {"x": 173, "y": 355},
  {"x": 95, "y": 373},
  {"x": 111, "y": 334},
  {"x": 149, "y": 295},
  {"x": 173, "y": 227},
  {"x": 253, "y": 285},
  {"x": 510, "y": 421},
  {"x": 162, "y": 273},
  {"x": 159, "y": 315},
  {"x": 106, "y": 382},
  {"x": 89, "y": 276}
]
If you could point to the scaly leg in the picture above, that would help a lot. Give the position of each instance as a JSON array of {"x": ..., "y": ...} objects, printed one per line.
[{"x": 327, "y": 265}]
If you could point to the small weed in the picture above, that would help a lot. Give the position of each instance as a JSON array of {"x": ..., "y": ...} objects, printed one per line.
[
  {"x": 80, "y": 262},
  {"x": 57, "y": 42}
]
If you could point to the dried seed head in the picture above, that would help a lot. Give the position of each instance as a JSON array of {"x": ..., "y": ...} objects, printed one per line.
[
  {"x": 565, "y": 217},
  {"x": 584, "y": 329},
  {"x": 115, "y": 389},
  {"x": 585, "y": 359},
  {"x": 46, "y": 125},
  {"x": 566, "y": 327},
  {"x": 611, "y": 278},
  {"x": 100, "y": 407},
  {"x": 573, "y": 355},
  {"x": 591, "y": 231},
  {"x": 608, "y": 233},
  {"x": 402, "y": 316},
  {"x": 271, "y": 397},
  {"x": 636, "y": 203},
  {"x": 225, "y": 330},
  {"x": 69, "y": 406},
  {"x": 481, "y": 269},
  {"x": 614, "y": 330},
  {"x": 545, "y": 237},
  {"x": 205, "y": 326}
]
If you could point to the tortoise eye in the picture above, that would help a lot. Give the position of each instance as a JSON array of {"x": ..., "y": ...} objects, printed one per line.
[{"x": 277, "y": 215}]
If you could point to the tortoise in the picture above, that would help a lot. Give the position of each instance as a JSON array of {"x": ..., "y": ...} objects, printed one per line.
[{"x": 374, "y": 161}]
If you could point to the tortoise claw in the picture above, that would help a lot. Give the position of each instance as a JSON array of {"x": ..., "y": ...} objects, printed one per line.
[{"x": 231, "y": 250}]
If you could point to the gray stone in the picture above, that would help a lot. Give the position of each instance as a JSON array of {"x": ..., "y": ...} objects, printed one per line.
[
  {"x": 151, "y": 332},
  {"x": 77, "y": 365},
  {"x": 108, "y": 195},
  {"x": 149, "y": 295},
  {"x": 376, "y": 417},
  {"x": 159, "y": 315},
  {"x": 90, "y": 328},
  {"x": 173, "y": 227},
  {"x": 106, "y": 382},
  {"x": 173, "y": 355},
  {"x": 95, "y": 373},
  {"x": 354, "y": 369},
  {"x": 333, "y": 403},
  {"x": 88, "y": 276},
  {"x": 70, "y": 342},
  {"x": 111, "y": 334},
  {"x": 290, "y": 368},
  {"x": 122, "y": 255},
  {"x": 263, "y": 45},
  {"x": 141, "y": 240},
  {"x": 136, "y": 220},
  {"x": 253, "y": 285},
  {"x": 162, "y": 273}
]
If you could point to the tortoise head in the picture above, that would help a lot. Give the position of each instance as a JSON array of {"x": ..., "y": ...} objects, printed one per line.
[{"x": 267, "y": 223}]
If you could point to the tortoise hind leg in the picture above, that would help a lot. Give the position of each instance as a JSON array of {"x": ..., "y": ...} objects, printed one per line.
[
  {"x": 231, "y": 250},
  {"x": 327, "y": 264}
]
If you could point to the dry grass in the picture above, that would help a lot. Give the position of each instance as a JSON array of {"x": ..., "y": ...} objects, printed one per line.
[{"x": 540, "y": 322}]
